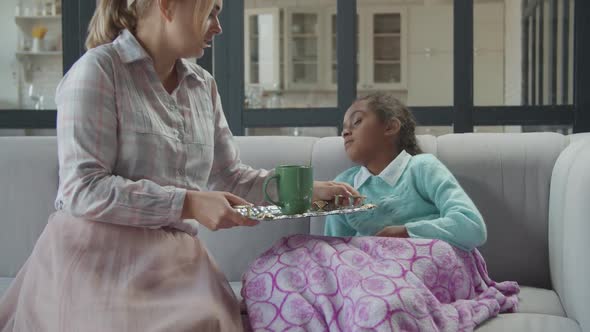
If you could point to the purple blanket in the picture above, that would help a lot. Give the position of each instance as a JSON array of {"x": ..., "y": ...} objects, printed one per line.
[{"x": 316, "y": 283}]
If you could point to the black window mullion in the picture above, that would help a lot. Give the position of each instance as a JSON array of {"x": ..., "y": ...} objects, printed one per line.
[
  {"x": 565, "y": 47},
  {"x": 534, "y": 59},
  {"x": 525, "y": 59},
  {"x": 524, "y": 115},
  {"x": 292, "y": 117},
  {"x": 229, "y": 64},
  {"x": 206, "y": 61},
  {"x": 76, "y": 15},
  {"x": 541, "y": 55},
  {"x": 463, "y": 66},
  {"x": 70, "y": 21},
  {"x": 346, "y": 55},
  {"x": 582, "y": 66},
  {"x": 553, "y": 52}
]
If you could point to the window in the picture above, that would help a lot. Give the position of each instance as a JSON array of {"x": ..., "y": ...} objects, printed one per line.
[
  {"x": 457, "y": 64},
  {"x": 41, "y": 42},
  {"x": 285, "y": 63},
  {"x": 31, "y": 58}
]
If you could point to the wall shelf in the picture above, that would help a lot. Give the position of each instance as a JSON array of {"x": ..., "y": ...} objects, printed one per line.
[
  {"x": 38, "y": 18},
  {"x": 23, "y": 54}
]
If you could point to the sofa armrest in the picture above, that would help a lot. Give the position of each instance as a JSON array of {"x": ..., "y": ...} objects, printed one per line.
[{"x": 569, "y": 231}]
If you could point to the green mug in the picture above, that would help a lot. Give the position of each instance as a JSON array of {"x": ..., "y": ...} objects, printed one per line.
[{"x": 294, "y": 186}]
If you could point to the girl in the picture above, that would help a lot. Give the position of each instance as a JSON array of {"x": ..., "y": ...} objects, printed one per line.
[
  {"x": 418, "y": 274},
  {"x": 141, "y": 138},
  {"x": 416, "y": 195}
]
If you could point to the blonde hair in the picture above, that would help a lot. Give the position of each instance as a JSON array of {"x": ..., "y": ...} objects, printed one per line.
[
  {"x": 388, "y": 108},
  {"x": 113, "y": 16}
]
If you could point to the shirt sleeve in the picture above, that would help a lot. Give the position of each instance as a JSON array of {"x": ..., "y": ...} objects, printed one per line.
[
  {"x": 460, "y": 223},
  {"x": 336, "y": 225},
  {"x": 87, "y": 151},
  {"x": 228, "y": 173}
]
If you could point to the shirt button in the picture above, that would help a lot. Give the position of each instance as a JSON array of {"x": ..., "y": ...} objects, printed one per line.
[{"x": 180, "y": 136}]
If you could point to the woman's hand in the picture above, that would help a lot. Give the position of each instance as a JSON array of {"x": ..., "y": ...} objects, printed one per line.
[
  {"x": 394, "y": 231},
  {"x": 326, "y": 190},
  {"x": 214, "y": 209}
]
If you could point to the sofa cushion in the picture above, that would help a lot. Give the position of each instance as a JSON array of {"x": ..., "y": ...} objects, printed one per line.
[
  {"x": 579, "y": 136},
  {"x": 28, "y": 183},
  {"x": 234, "y": 249},
  {"x": 269, "y": 151},
  {"x": 569, "y": 226},
  {"x": 508, "y": 176},
  {"x": 529, "y": 322},
  {"x": 539, "y": 301},
  {"x": 4, "y": 283},
  {"x": 531, "y": 300}
]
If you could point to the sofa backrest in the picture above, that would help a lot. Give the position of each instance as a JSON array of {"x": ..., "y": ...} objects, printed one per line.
[
  {"x": 508, "y": 177},
  {"x": 233, "y": 249},
  {"x": 569, "y": 227},
  {"x": 28, "y": 184}
]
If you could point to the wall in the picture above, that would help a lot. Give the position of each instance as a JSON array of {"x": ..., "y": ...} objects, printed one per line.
[
  {"x": 513, "y": 54},
  {"x": 46, "y": 74},
  {"x": 8, "y": 62},
  {"x": 430, "y": 74},
  {"x": 45, "y": 71}
]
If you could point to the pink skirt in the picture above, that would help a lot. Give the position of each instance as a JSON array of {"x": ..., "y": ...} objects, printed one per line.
[{"x": 92, "y": 276}]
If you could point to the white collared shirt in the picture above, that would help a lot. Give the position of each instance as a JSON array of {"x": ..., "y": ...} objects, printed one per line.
[{"x": 390, "y": 174}]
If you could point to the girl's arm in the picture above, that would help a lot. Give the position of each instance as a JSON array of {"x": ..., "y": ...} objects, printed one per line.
[{"x": 460, "y": 222}]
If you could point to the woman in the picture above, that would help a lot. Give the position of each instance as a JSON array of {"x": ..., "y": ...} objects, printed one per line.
[{"x": 141, "y": 137}]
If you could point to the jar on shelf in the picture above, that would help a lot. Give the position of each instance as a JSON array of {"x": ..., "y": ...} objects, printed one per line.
[{"x": 57, "y": 4}]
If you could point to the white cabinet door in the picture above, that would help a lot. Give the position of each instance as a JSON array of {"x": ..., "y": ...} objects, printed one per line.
[
  {"x": 488, "y": 36},
  {"x": 488, "y": 55},
  {"x": 430, "y": 73},
  {"x": 488, "y": 87},
  {"x": 305, "y": 54},
  {"x": 385, "y": 54},
  {"x": 430, "y": 28},
  {"x": 262, "y": 48},
  {"x": 430, "y": 80}
]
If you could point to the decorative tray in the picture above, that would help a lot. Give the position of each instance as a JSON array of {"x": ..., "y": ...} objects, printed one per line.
[{"x": 273, "y": 212}]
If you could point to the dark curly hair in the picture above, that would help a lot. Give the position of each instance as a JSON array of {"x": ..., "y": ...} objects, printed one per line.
[{"x": 387, "y": 108}]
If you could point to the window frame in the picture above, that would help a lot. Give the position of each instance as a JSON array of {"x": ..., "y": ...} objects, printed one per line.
[{"x": 463, "y": 115}]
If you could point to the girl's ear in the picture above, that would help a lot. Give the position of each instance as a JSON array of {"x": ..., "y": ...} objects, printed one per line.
[{"x": 393, "y": 127}]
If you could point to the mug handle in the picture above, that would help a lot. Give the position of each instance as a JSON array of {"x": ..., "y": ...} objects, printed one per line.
[{"x": 264, "y": 188}]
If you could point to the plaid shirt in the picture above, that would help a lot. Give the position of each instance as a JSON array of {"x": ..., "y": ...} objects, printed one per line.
[{"x": 128, "y": 150}]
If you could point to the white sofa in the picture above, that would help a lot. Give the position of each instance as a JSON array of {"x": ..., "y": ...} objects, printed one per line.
[{"x": 532, "y": 189}]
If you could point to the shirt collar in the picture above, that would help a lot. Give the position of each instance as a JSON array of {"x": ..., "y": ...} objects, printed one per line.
[
  {"x": 390, "y": 174},
  {"x": 130, "y": 50}
]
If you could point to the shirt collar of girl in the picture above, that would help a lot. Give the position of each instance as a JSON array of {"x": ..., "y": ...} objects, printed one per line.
[{"x": 390, "y": 174}]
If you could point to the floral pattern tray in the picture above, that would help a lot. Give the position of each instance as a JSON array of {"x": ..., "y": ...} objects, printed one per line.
[{"x": 273, "y": 212}]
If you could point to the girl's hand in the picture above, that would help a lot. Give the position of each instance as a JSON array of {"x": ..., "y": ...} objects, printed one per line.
[
  {"x": 214, "y": 210},
  {"x": 394, "y": 231},
  {"x": 326, "y": 190}
]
